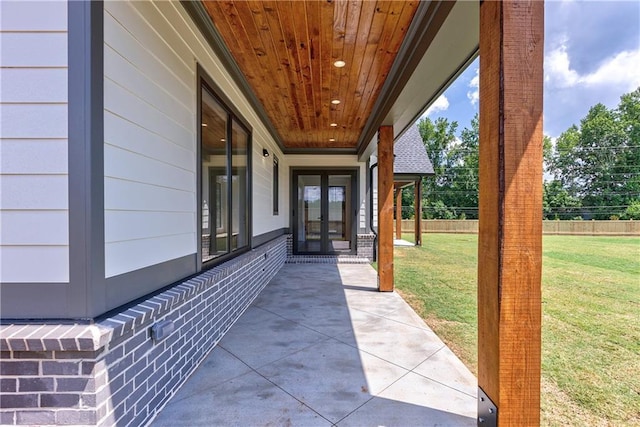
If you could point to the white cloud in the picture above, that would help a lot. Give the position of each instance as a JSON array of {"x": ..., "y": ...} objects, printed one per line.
[
  {"x": 474, "y": 84},
  {"x": 440, "y": 104},
  {"x": 570, "y": 93},
  {"x": 619, "y": 70},
  {"x": 557, "y": 69}
]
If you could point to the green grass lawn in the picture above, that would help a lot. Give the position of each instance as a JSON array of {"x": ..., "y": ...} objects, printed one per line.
[{"x": 591, "y": 318}]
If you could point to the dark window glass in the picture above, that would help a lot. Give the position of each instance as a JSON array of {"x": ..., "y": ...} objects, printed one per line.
[
  {"x": 239, "y": 193},
  {"x": 225, "y": 177}
]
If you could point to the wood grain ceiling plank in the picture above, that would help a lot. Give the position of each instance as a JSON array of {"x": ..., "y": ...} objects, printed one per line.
[
  {"x": 276, "y": 79},
  {"x": 232, "y": 31},
  {"x": 352, "y": 93},
  {"x": 251, "y": 18},
  {"x": 223, "y": 27},
  {"x": 315, "y": 59},
  {"x": 350, "y": 36},
  {"x": 286, "y": 50},
  {"x": 303, "y": 47},
  {"x": 371, "y": 63},
  {"x": 288, "y": 121},
  {"x": 285, "y": 13},
  {"x": 398, "y": 19},
  {"x": 327, "y": 70},
  {"x": 340, "y": 22},
  {"x": 339, "y": 27},
  {"x": 237, "y": 29}
]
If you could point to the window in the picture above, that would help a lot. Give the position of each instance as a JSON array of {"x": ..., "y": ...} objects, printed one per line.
[
  {"x": 276, "y": 184},
  {"x": 225, "y": 178}
]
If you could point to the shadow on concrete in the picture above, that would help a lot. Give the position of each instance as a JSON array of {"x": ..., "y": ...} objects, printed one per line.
[{"x": 320, "y": 346}]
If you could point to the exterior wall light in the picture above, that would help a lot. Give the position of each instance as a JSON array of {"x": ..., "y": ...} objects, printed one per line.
[
  {"x": 161, "y": 330},
  {"x": 265, "y": 152}
]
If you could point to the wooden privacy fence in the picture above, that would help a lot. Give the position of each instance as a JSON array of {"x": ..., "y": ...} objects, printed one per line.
[{"x": 579, "y": 228}]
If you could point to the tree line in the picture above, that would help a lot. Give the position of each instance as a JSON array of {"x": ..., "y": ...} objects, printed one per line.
[{"x": 591, "y": 171}]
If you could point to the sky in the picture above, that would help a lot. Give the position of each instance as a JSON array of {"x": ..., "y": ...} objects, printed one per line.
[{"x": 592, "y": 55}]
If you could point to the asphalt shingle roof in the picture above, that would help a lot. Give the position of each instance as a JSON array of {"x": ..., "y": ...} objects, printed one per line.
[{"x": 411, "y": 155}]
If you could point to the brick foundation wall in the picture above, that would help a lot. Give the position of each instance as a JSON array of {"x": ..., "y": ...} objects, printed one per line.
[
  {"x": 112, "y": 372},
  {"x": 364, "y": 252},
  {"x": 289, "y": 245},
  {"x": 365, "y": 246}
]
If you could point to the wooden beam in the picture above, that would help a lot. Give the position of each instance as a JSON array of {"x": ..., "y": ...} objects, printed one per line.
[
  {"x": 417, "y": 202},
  {"x": 385, "y": 209},
  {"x": 398, "y": 212},
  {"x": 510, "y": 208}
]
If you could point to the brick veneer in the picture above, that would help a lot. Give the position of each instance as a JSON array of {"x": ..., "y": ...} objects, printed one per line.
[
  {"x": 365, "y": 246},
  {"x": 289, "y": 245},
  {"x": 112, "y": 372},
  {"x": 364, "y": 252}
]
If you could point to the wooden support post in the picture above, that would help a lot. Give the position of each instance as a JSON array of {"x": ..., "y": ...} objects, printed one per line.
[
  {"x": 417, "y": 202},
  {"x": 510, "y": 208},
  {"x": 385, "y": 209},
  {"x": 398, "y": 212}
]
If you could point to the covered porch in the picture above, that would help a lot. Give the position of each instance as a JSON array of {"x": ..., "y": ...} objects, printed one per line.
[
  {"x": 181, "y": 127},
  {"x": 320, "y": 346}
]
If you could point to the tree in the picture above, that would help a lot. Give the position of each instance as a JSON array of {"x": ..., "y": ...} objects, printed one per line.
[
  {"x": 408, "y": 196},
  {"x": 557, "y": 203},
  {"x": 465, "y": 158},
  {"x": 438, "y": 137},
  {"x": 629, "y": 116},
  {"x": 598, "y": 162},
  {"x": 547, "y": 153},
  {"x": 595, "y": 167},
  {"x": 632, "y": 211}
]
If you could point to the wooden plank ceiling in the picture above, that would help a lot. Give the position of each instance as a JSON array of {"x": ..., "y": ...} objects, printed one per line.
[{"x": 287, "y": 51}]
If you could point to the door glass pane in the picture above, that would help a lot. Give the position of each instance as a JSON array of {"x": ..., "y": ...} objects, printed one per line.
[
  {"x": 239, "y": 214},
  {"x": 339, "y": 223},
  {"x": 310, "y": 214},
  {"x": 215, "y": 188}
]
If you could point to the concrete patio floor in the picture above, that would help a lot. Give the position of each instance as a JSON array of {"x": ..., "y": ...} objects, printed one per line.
[{"x": 321, "y": 347}]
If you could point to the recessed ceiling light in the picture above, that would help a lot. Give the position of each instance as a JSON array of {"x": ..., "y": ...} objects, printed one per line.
[
  {"x": 204, "y": 125},
  {"x": 332, "y": 139},
  {"x": 333, "y": 125},
  {"x": 339, "y": 64},
  {"x": 222, "y": 140},
  {"x": 335, "y": 101}
]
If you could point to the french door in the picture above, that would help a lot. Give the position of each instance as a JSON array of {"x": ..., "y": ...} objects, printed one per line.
[{"x": 324, "y": 213}]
